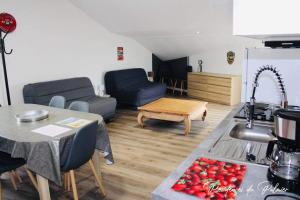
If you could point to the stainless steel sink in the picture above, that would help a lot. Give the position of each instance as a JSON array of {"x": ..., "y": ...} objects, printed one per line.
[
  {"x": 258, "y": 133},
  {"x": 237, "y": 141}
]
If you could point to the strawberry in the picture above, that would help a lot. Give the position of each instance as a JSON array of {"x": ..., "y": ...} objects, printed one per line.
[
  {"x": 213, "y": 168},
  {"x": 221, "y": 164},
  {"x": 223, "y": 172},
  {"x": 211, "y": 162},
  {"x": 230, "y": 194},
  {"x": 196, "y": 162},
  {"x": 223, "y": 182},
  {"x": 189, "y": 191},
  {"x": 231, "y": 179},
  {"x": 219, "y": 195},
  {"x": 210, "y": 171},
  {"x": 197, "y": 188},
  {"x": 201, "y": 195},
  {"x": 243, "y": 167},
  {"x": 179, "y": 187},
  {"x": 231, "y": 169},
  {"x": 242, "y": 173},
  {"x": 220, "y": 177},
  {"x": 240, "y": 177},
  {"x": 236, "y": 167},
  {"x": 196, "y": 168},
  {"x": 212, "y": 176},
  {"x": 203, "y": 175},
  {"x": 228, "y": 166}
]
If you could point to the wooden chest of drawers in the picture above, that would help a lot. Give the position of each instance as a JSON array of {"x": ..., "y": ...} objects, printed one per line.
[{"x": 218, "y": 88}]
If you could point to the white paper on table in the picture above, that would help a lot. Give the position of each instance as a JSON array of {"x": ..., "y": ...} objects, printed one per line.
[{"x": 51, "y": 130}]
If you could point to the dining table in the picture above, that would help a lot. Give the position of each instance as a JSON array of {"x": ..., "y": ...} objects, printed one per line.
[{"x": 43, "y": 152}]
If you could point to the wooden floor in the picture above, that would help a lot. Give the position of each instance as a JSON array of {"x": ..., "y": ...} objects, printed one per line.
[{"x": 143, "y": 157}]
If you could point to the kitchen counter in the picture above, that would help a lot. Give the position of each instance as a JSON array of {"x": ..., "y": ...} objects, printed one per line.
[{"x": 254, "y": 186}]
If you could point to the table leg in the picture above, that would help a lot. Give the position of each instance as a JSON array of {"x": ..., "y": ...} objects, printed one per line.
[
  {"x": 141, "y": 119},
  {"x": 44, "y": 191},
  {"x": 187, "y": 123}
]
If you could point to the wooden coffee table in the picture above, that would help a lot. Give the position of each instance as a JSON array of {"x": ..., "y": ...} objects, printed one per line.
[{"x": 177, "y": 110}]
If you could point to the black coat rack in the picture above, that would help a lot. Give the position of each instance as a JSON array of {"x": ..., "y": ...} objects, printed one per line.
[{"x": 3, "y": 53}]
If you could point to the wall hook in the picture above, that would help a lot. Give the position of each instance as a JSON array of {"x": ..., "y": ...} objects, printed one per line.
[
  {"x": 3, "y": 46},
  {"x": 10, "y": 52}
]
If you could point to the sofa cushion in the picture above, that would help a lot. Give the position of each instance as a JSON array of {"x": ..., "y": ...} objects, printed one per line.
[
  {"x": 143, "y": 91},
  {"x": 101, "y": 105},
  {"x": 138, "y": 96}
]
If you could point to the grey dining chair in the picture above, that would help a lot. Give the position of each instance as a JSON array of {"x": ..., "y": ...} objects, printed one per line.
[
  {"x": 58, "y": 102},
  {"x": 81, "y": 152},
  {"x": 9, "y": 164},
  {"x": 79, "y": 106}
]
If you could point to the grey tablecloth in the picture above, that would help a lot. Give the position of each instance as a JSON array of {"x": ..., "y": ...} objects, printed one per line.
[{"x": 42, "y": 153}]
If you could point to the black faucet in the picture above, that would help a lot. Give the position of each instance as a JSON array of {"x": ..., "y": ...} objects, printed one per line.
[{"x": 284, "y": 102}]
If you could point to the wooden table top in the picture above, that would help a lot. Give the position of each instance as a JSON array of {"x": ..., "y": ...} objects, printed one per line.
[{"x": 173, "y": 106}]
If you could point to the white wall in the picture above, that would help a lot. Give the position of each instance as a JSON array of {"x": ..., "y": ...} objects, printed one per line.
[
  {"x": 215, "y": 57},
  {"x": 55, "y": 40},
  {"x": 266, "y": 17},
  {"x": 286, "y": 61}
]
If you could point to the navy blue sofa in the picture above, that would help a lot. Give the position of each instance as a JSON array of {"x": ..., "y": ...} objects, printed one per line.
[{"x": 131, "y": 87}]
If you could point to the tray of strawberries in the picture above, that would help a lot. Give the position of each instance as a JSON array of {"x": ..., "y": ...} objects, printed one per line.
[{"x": 211, "y": 179}]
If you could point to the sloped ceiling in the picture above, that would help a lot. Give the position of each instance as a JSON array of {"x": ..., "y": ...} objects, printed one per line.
[{"x": 169, "y": 28}]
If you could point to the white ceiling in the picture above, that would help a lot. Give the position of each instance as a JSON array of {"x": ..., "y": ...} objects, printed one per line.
[{"x": 169, "y": 28}]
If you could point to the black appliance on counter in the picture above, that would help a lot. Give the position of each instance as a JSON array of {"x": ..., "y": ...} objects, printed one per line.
[{"x": 284, "y": 154}]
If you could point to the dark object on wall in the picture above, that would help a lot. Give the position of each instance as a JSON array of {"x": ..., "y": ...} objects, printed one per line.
[
  {"x": 120, "y": 53},
  {"x": 73, "y": 89},
  {"x": 200, "y": 67},
  {"x": 7, "y": 25},
  {"x": 283, "y": 44},
  {"x": 131, "y": 87},
  {"x": 230, "y": 57}
]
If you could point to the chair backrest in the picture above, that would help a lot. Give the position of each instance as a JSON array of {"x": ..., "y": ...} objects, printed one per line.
[
  {"x": 58, "y": 102},
  {"x": 82, "y": 148},
  {"x": 80, "y": 106}
]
